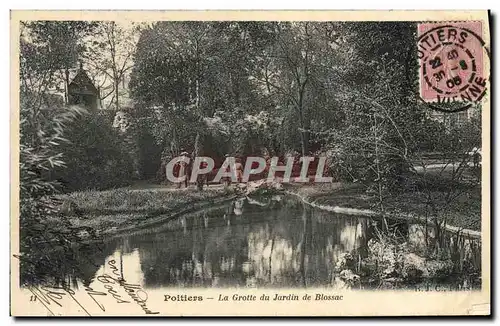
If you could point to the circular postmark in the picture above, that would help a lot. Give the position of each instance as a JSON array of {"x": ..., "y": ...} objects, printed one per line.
[{"x": 452, "y": 65}]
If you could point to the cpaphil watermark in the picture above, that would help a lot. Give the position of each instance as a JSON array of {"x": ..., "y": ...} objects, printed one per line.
[
  {"x": 306, "y": 169},
  {"x": 452, "y": 71}
]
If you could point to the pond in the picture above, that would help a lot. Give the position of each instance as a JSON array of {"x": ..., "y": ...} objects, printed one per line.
[{"x": 275, "y": 242}]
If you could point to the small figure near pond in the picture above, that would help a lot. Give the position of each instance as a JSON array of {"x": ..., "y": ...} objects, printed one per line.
[{"x": 183, "y": 169}]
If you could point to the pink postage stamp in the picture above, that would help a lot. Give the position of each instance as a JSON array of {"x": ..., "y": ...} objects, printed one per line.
[{"x": 451, "y": 59}]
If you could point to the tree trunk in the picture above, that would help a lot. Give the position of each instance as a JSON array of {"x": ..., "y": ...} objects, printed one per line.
[
  {"x": 66, "y": 86},
  {"x": 304, "y": 132},
  {"x": 99, "y": 100},
  {"x": 304, "y": 139},
  {"x": 304, "y": 120},
  {"x": 117, "y": 84},
  {"x": 200, "y": 180}
]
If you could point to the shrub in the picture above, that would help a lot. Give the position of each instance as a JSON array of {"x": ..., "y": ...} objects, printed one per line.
[
  {"x": 95, "y": 156},
  {"x": 43, "y": 229}
]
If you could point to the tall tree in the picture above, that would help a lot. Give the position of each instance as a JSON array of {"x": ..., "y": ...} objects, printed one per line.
[
  {"x": 49, "y": 49},
  {"x": 110, "y": 57}
]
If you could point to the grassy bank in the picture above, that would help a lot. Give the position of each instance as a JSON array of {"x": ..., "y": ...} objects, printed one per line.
[
  {"x": 463, "y": 212},
  {"x": 121, "y": 209}
]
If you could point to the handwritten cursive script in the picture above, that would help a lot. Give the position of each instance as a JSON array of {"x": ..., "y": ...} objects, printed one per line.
[
  {"x": 54, "y": 295},
  {"x": 135, "y": 291}
]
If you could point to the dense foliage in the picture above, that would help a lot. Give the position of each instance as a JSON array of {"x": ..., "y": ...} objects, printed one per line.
[{"x": 95, "y": 157}]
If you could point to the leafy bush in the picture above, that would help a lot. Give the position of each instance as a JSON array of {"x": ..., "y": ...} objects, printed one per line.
[
  {"x": 95, "y": 156},
  {"x": 43, "y": 229}
]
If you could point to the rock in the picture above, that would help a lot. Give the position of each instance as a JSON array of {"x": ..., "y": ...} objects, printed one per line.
[
  {"x": 252, "y": 201},
  {"x": 83, "y": 234},
  {"x": 345, "y": 261},
  {"x": 413, "y": 267},
  {"x": 415, "y": 260},
  {"x": 277, "y": 185},
  {"x": 391, "y": 283},
  {"x": 263, "y": 185},
  {"x": 439, "y": 268},
  {"x": 412, "y": 274},
  {"x": 390, "y": 272},
  {"x": 241, "y": 187},
  {"x": 416, "y": 267},
  {"x": 254, "y": 186},
  {"x": 382, "y": 252},
  {"x": 348, "y": 275},
  {"x": 277, "y": 198},
  {"x": 339, "y": 284}
]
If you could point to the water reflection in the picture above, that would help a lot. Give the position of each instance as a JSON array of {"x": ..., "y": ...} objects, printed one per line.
[{"x": 258, "y": 242}]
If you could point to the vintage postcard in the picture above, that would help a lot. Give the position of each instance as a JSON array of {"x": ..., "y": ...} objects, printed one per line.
[{"x": 250, "y": 163}]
